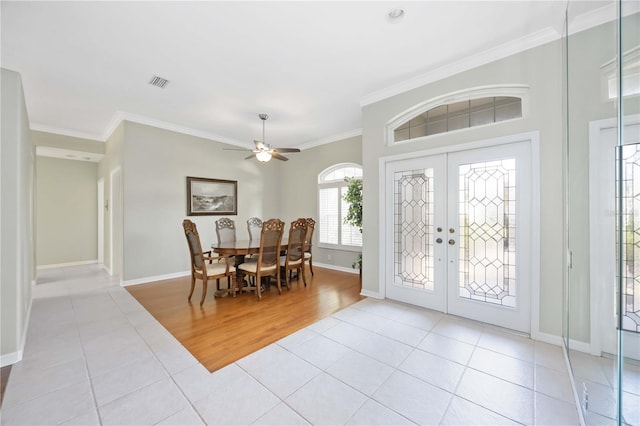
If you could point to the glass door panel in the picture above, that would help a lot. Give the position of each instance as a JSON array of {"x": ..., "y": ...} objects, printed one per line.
[
  {"x": 415, "y": 200},
  {"x": 451, "y": 227},
  {"x": 489, "y": 242},
  {"x": 487, "y": 232}
]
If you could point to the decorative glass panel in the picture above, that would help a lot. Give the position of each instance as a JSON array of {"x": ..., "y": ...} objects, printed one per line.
[
  {"x": 413, "y": 229},
  {"x": 487, "y": 218},
  {"x": 631, "y": 238},
  {"x": 459, "y": 115}
]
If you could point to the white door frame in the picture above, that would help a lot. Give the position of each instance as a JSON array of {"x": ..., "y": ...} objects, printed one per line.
[
  {"x": 534, "y": 139},
  {"x": 115, "y": 218},
  {"x": 429, "y": 298},
  {"x": 601, "y": 244},
  {"x": 101, "y": 222}
]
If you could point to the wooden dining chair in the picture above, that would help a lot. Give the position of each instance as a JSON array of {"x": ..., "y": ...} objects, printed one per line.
[
  {"x": 218, "y": 267},
  {"x": 254, "y": 226},
  {"x": 308, "y": 257},
  {"x": 225, "y": 230},
  {"x": 294, "y": 258},
  {"x": 268, "y": 261}
]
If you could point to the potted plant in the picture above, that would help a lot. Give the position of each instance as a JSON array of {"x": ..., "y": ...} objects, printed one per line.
[{"x": 353, "y": 196}]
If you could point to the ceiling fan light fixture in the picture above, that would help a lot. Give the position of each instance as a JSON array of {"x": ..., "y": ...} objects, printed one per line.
[{"x": 263, "y": 156}]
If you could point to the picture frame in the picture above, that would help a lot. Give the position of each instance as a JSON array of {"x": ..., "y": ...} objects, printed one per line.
[{"x": 207, "y": 197}]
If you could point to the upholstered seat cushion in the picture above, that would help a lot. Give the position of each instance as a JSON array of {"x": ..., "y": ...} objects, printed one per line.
[
  {"x": 218, "y": 269},
  {"x": 307, "y": 255},
  {"x": 252, "y": 266},
  {"x": 291, "y": 262}
]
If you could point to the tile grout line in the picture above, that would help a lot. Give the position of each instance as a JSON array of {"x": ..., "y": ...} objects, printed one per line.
[
  {"x": 169, "y": 374},
  {"x": 283, "y": 401},
  {"x": 324, "y": 370},
  {"x": 86, "y": 364}
]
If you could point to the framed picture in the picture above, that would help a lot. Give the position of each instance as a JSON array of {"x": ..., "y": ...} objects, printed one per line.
[{"x": 211, "y": 197}]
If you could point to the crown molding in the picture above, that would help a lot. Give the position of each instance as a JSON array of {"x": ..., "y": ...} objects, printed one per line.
[
  {"x": 115, "y": 121},
  {"x": 579, "y": 23},
  {"x": 602, "y": 15},
  {"x": 518, "y": 45},
  {"x": 65, "y": 132},
  {"x": 68, "y": 154},
  {"x": 332, "y": 138},
  {"x": 141, "y": 119}
]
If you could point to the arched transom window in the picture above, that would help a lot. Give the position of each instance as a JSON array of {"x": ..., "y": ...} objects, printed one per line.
[
  {"x": 464, "y": 109},
  {"x": 459, "y": 115}
]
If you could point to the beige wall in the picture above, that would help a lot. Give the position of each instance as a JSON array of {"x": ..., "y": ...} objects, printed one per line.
[
  {"x": 299, "y": 177},
  {"x": 156, "y": 165},
  {"x": 109, "y": 167},
  {"x": 67, "y": 142},
  {"x": 66, "y": 212},
  {"x": 17, "y": 262},
  {"x": 545, "y": 116}
]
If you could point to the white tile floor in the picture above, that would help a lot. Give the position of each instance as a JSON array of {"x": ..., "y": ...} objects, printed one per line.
[
  {"x": 95, "y": 356},
  {"x": 598, "y": 376}
]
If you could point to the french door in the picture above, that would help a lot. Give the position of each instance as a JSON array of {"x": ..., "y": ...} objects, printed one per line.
[{"x": 458, "y": 227}]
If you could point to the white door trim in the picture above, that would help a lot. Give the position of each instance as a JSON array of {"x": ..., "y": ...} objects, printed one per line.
[
  {"x": 597, "y": 241},
  {"x": 101, "y": 222},
  {"x": 115, "y": 217},
  {"x": 534, "y": 139}
]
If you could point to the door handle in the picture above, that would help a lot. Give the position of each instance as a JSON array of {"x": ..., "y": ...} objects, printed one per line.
[
  {"x": 439, "y": 240},
  {"x": 452, "y": 242}
]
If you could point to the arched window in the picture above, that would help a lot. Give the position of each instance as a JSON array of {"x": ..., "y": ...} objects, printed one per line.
[
  {"x": 332, "y": 231},
  {"x": 459, "y": 110}
]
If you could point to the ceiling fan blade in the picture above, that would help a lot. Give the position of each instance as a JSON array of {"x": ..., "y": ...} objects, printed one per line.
[
  {"x": 236, "y": 149},
  {"x": 275, "y": 154},
  {"x": 251, "y": 156},
  {"x": 286, "y": 149}
]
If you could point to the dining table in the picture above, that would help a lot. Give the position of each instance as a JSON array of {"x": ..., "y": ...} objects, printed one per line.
[{"x": 241, "y": 248}]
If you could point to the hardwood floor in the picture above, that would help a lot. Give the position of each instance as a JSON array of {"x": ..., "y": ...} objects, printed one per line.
[{"x": 226, "y": 329}]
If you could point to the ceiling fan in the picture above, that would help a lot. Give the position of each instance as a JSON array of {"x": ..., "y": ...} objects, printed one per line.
[{"x": 264, "y": 152}]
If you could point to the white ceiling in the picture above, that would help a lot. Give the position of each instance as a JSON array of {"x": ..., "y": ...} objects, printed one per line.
[{"x": 310, "y": 65}]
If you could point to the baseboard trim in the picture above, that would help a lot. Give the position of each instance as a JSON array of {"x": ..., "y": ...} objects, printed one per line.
[
  {"x": 187, "y": 273},
  {"x": 336, "y": 268},
  {"x": 155, "y": 278},
  {"x": 10, "y": 358},
  {"x": 14, "y": 357},
  {"x": 552, "y": 339},
  {"x": 372, "y": 294},
  {"x": 575, "y": 345},
  {"x": 63, "y": 265}
]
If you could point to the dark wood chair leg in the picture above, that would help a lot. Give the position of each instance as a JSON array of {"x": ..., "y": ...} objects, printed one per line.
[
  {"x": 204, "y": 291},
  {"x": 193, "y": 285}
]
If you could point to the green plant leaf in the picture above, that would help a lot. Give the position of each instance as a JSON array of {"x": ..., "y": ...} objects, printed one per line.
[{"x": 353, "y": 196}]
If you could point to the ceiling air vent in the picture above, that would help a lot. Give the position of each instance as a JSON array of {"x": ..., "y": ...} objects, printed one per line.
[{"x": 158, "y": 81}]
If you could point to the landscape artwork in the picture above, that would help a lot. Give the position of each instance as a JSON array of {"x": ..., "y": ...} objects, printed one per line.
[{"x": 211, "y": 196}]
